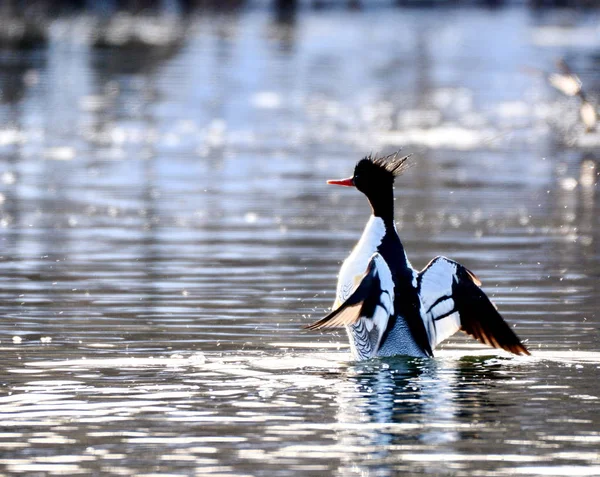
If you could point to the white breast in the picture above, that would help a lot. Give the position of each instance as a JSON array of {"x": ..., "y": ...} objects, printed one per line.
[{"x": 356, "y": 264}]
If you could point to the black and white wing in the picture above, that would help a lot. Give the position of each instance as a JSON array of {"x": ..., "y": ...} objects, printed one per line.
[
  {"x": 451, "y": 300},
  {"x": 366, "y": 311}
]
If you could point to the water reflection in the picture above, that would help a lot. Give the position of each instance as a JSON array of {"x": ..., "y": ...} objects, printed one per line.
[
  {"x": 412, "y": 405},
  {"x": 309, "y": 411}
]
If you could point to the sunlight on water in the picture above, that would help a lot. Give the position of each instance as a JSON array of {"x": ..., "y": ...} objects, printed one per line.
[{"x": 373, "y": 408}]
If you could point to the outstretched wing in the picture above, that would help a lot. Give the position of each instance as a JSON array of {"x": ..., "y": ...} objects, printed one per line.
[
  {"x": 367, "y": 309},
  {"x": 452, "y": 300}
]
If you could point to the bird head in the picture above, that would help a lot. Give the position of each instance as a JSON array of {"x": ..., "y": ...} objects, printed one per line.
[{"x": 373, "y": 173}]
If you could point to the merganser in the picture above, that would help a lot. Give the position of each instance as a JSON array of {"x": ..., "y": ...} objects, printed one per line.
[
  {"x": 387, "y": 307},
  {"x": 568, "y": 83}
]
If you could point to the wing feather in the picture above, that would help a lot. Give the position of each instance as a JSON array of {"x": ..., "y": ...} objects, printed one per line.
[
  {"x": 366, "y": 311},
  {"x": 342, "y": 316},
  {"x": 451, "y": 300},
  {"x": 348, "y": 312}
]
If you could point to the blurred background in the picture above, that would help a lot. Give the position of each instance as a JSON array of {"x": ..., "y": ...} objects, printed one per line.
[{"x": 166, "y": 230}]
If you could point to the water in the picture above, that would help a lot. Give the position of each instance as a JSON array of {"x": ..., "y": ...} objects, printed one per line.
[{"x": 166, "y": 231}]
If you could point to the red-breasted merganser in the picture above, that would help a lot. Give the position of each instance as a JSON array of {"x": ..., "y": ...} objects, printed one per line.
[{"x": 387, "y": 307}]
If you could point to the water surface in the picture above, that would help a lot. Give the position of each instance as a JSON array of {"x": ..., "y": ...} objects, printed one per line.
[{"x": 166, "y": 230}]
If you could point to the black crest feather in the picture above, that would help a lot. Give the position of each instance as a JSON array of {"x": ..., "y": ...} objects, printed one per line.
[{"x": 393, "y": 163}]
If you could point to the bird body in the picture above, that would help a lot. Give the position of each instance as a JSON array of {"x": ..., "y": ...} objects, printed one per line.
[
  {"x": 370, "y": 249},
  {"x": 386, "y": 306}
]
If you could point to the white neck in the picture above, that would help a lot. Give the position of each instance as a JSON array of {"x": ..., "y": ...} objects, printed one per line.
[{"x": 371, "y": 237}]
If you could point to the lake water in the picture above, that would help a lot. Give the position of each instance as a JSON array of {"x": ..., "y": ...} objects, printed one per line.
[{"x": 166, "y": 230}]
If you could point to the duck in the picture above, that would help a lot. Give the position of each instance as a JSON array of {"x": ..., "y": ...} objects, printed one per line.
[
  {"x": 386, "y": 306},
  {"x": 568, "y": 83}
]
